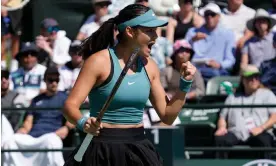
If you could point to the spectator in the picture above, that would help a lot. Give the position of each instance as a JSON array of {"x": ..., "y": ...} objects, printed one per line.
[
  {"x": 11, "y": 99},
  {"x": 93, "y": 22},
  {"x": 235, "y": 17},
  {"x": 161, "y": 51},
  {"x": 183, "y": 52},
  {"x": 259, "y": 48},
  {"x": 250, "y": 126},
  {"x": 11, "y": 29},
  {"x": 70, "y": 71},
  {"x": 53, "y": 43},
  {"x": 143, "y": 2},
  {"x": 213, "y": 44},
  {"x": 118, "y": 5},
  {"x": 165, "y": 7},
  {"x": 185, "y": 19},
  {"x": 43, "y": 129},
  {"x": 268, "y": 71},
  {"x": 28, "y": 79},
  {"x": 38, "y": 123}
]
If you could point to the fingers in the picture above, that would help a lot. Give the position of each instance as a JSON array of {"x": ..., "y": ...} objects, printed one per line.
[{"x": 92, "y": 126}]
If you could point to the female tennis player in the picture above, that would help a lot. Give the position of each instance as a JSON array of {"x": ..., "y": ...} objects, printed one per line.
[{"x": 119, "y": 139}]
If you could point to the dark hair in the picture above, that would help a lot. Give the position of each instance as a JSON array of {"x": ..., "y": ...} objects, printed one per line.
[
  {"x": 255, "y": 30},
  {"x": 104, "y": 36}
]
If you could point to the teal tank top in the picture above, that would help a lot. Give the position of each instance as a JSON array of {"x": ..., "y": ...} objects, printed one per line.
[{"x": 130, "y": 99}]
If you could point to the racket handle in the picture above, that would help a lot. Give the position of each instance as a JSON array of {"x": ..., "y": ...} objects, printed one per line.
[{"x": 78, "y": 156}]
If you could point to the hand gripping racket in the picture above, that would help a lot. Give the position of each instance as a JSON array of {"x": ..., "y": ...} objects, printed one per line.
[{"x": 78, "y": 156}]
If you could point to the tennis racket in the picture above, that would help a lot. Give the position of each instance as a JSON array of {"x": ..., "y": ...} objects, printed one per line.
[
  {"x": 78, "y": 156},
  {"x": 12, "y": 5}
]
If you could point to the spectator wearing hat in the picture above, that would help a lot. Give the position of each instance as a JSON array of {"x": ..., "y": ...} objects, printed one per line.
[
  {"x": 250, "y": 126},
  {"x": 268, "y": 71},
  {"x": 53, "y": 44},
  {"x": 213, "y": 45},
  {"x": 185, "y": 19},
  {"x": 11, "y": 99},
  {"x": 260, "y": 47},
  {"x": 117, "y": 5},
  {"x": 70, "y": 71},
  {"x": 27, "y": 80},
  {"x": 183, "y": 52},
  {"x": 272, "y": 13},
  {"x": 94, "y": 21}
]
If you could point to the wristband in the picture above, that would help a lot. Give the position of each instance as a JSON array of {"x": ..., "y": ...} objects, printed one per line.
[
  {"x": 185, "y": 85},
  {"x": 80, "y": 123}
]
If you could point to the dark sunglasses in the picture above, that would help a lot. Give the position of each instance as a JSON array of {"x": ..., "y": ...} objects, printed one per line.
[
  {"x": 52, "y": 29},
  {"x": 255, "y": 76},
  {"x": 207, "y": 14},
  {"x": 51, "y": 80},
  {"x": 5, "y": 74},
  {"x": 32, "y": 53}
]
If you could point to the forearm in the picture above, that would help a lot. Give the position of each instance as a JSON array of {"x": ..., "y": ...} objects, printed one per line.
[
  {"x": 222, "y": 123},
  {"x": 173, "y": 107},
  {"x": 270, "y": 122},
  {"x": 71, "y": 112}
]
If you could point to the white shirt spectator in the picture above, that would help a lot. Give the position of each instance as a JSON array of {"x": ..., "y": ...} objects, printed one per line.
[
  {"x": 90, "y": 26},
  {"x": 61, "y": 48},
  {"x": 118, "y": 5},
  {"x": 237, "y": 21},
  {"x": 28, "y": 83},
  {"x": 68, "y": 76}
]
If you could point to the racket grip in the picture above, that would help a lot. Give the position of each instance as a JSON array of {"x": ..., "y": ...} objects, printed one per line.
[{"x": 78, "y": 156}]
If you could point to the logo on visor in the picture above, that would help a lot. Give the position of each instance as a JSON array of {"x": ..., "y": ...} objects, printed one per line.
[{"x": 153, "y": 14}]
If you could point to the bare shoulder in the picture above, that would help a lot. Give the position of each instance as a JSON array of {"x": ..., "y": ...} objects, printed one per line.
[
  {"x": 152, "y": 68},
  {"x": 97, "y": 64},
  {"x": 172, "y": 22}
]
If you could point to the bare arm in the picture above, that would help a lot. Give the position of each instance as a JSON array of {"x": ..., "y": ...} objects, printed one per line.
[
  {"x": 222, "y": 123},
  {"x": 88, "y": 77},
  {"x": 27, "y": 125},
  {"x": 166, "y": 109},
  {"x": 170, "y": 29},
  {"x": 198, "y": 20},
  {"x": 244, "y": 60}
]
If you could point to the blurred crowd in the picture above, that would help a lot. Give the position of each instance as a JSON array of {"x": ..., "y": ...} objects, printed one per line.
[{"x": 220, "y": 41}]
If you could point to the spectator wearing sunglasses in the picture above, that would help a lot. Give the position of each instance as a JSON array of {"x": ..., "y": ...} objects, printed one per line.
[
  {"x": 70, "y": 71},
  {"x": 249, "y": 126},
  {"x": 27, "y": 80},
  {"x": 53, "y": 44},
  {"x": 11, "y": 99},
  {"x": 213, "y": 44},
  {"x": 94, "y": 21}
]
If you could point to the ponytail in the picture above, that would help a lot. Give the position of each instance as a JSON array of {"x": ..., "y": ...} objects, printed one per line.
[{"x": 99, "y": 40}]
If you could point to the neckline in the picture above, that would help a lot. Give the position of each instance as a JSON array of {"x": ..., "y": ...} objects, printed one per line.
[{"x": 116, "y": 59}]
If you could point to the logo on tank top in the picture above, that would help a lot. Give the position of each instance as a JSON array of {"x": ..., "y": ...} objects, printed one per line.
[{"x": 130, "y": 83}]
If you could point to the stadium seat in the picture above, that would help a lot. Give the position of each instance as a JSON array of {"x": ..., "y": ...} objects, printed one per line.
[{"x": 213, "y": 84}]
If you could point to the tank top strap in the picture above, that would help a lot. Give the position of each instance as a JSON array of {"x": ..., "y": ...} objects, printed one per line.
[{"x": 115, "y": 60}]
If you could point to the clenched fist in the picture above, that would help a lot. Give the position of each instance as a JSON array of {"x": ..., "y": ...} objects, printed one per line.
[
  {"x": 187, "y": 71},
  {"x": 91, "y": 126}
]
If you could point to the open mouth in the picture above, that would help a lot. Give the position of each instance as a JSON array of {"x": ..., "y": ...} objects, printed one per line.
[{"x": 150, "y": 45}]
